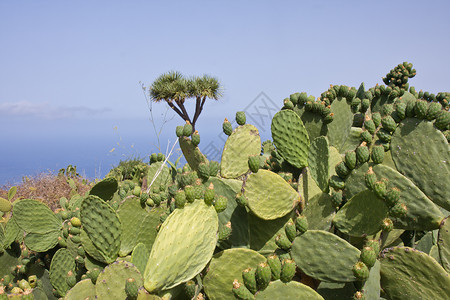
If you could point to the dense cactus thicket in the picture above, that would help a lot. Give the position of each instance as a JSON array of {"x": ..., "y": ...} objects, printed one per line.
[{"x": 349, "y": 200}]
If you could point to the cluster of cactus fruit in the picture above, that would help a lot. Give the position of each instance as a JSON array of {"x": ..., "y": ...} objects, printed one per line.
[{"x": 348, "y": 201}]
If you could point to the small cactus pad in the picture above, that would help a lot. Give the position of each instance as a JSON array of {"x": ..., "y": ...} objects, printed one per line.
[
  {"x": 192, "y": 153},
  {"x": 112, "y": 280},
  {"x": 361, "y": 215},
  {"x": 41, "y": 242},
  {"x": 339, "y": 129},
  {"x": 290, "y": 290},
  {"x": 240, "y": 145},
  {"x": 34, "y": 216},
  {"x": 102, "y": 225},
  {"x": 318, "y": 159},
  {"x": 407, "y": 273},
  {"x": 105, "y": 189},
  {"x": 62, "y": 263},
  {"x": 291, "y": 138},
  {"x": 82, "y": 290},
  {"x": 139, "y": 257},
  {"x": 421, "y": 153},
  {"x": 225, "y": 267},
  {"x": 444, "y": 243},
  {"x": 162, "y": 179},
  {"x": 269, "y": 195},
  {"x": 5, "y": 205},
  {"x": 183, "y": 246},
  {"x": 325, "y": 256}
]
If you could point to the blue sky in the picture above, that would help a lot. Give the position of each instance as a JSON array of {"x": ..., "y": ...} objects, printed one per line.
[{"x": 71, "y": 69}]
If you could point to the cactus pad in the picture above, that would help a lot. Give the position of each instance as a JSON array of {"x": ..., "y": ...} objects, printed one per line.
[
  {"x": 34, "y": 216},
  {"x": 407, "y": 273},
  {"x": 269, "y": 195},
  {"x": 41, "y": 242},
  {"x": 105, "y": 189},
  {"x": 225, "y": 267},
  {"x": 339, "y": 129},
  {"x": 183, "y": 246},
  {"x": 192, "y": 153},
  {"x": 62, "y": 263},
  {"x": 444, "y": 243},
  {"x": 84, "y": 289},
  {"x": 102, "y": 225},
  {"x": 290, "y": 290},
  {"x": 139, "y": 257},
  {"x": 318, "y": 159},
  {"x": 111, "y": 281},
  {"x": 240, "y": 145},
  {"x": 325, "y": 256},
  {"x": 291, "y": 138}
]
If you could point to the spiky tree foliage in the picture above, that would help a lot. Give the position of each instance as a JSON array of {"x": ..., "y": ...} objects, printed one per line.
[{"x": 174, "y": 88}]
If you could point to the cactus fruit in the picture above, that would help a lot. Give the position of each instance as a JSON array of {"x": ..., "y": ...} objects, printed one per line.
[
  {"x": 187, "y": 129},
  {"x": 203, "y": 170},
  {"x": 398, "y": 210},
  {"x": 75, "y": 222},
  {"x": 392, "y": 196},
  {"x": 388, "y": 123},
  {"x": 263, "y": 275},
  {"x": 241, "y": 292},
  {"x": 180, "y": 199},
  {"x": 227, "y": 128},
  {"x": 290, "y": 230},
  {"x": 336, "y": 198},
  {"x": 366, "y": 137},
  {"x": 240, "y": 118},
  {"x": 433, "y": 110},
  {"x": 342, "y": 170},
  {"x": 377, "y": 154},
  {"x": 225, "y": 232},
  {"x": 275, "y": 266},
  {"x": 213, "y": 168},
  {"x": 241, "y": 200},
  {"x": 179, "y": 131},
  {"x": 209, "y": 194},
  {"x": 283, "y": 242},
  {"x": 387, "y": 225},
  {"x": 301, "y": 223},
  {"x": 368, "y": 256},
  {"x": 361, "y": 271},
  {"x": 336, "y": 182},
  {"x": 220, "y": 203},
  {"x": 443, "y": 120},
  {"x": 131, "y": 289},
  {"x": 380, "y": 189},
  {"x": 376, "y": 117},
  {"x": 362, "y": 153},
  {"x": 384, "y": 135},
  {"x": 421, "y": 108},
  {"x": 249, "y": 277},
  {"x": 195, "y": 138},
  {"x": 253, "y": 163},
  {"x": 287, "y": 270}
]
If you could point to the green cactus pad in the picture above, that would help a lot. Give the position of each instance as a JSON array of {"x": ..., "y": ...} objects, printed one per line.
[
  {"x": 192, "y": 153},
  {"x": 320, "y": 212},
  {"x": 62, "y": 262},
  {"x": 339, "y": 129},
  {"x": 5, "y": 205},
  {"x": 291, "y": 138},
  {"x": 371, "y": 288},
  {"x": 41, "y": 242},
  {"x": 111, "y": 281},
  {"x": 325, "y": 256},
  {"x": 242, "y": 143},
  {"x": 34, "y": 216},
  {"x": 89, "y": 247},
  {"x": 139, "y": 257},
  {"x": 318, "y": 158},
  {"x": 12, "y": 231},
  {"x": 225, "y": 267},
  {"x": 361, "y": 215},
  {"x": 421, "y": 153},
  {"x": 102, "y": 225},
  {"x": 183, "y": 246},
  {"x": 290, "y": 290},
  {"x": 162, "y": 180},
  {"x": 407, "y": 273},
  {"x": 105, "y": 189},
  {"x": 269, "y": 195},
  {"x": 308, "y": 187},
  {"x": 353, "y": 140},
  {"x": 336, "y": 291},
  {"x": 444, "y": 243},
  {"x": 82, "y": 290}
]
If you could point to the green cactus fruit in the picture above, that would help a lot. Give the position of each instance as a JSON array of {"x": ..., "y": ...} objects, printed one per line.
[
  {"x": 387, "y": 225},
  {"x": 336, "y": 198},
  {"x": 388, "y": 123},
  {"x": 74, "y": 230},
  {"x": 75, "y": 239},
  {"x": 203, "y": 170},
  {"x": 400, "y": 109},
  {"x": 160, "y": 157},
  {"x": 199, "y": 189},
  {"x": 180, "y": 199},
  {"x": 283, "y": 242},
  {"x": 350, "y": 159},
  {"x": 187, "y": 129},
  {"x": 195, "y": 138},
  {"x": 189, "y": 289},
  {"x": 253, "y": 163},
  {"x": 241, "y": 292},
  {"x": 189, "y": 191},
  {"x": 336, "y": 182},
  {"x": 32, "y": 281},
  {"x": 71, "y": 279},
  {"x": 240, "y": 118},
  {"x": 209, "y": 194},
  {"x": 294, "y": 98},
  {"x": 410, "y": 108},
  {"x": 287, "y": 270},
  {"x": 379, "y": 188},
  {"x": 220, "y": 203},
  {"x": 362, "y": 153},
  {"x": 179, "y": 131},
  {"x": 328, "y": 118},
  {"x": 241, "y": 200},
  {"x": 275, "y": 266},
  {"x": 384, "y": 135},
  {"x": 137, "y": 191},
  {"x": 433, "y": 110},
  {"x": 75, "y": 222},
  {"x": 156, "y": 198},
  {"x": 361, "y": 271},
  {"x": 421, "y": 108},
  {"x": 377, "y": 154},
  {"x": 263, "y": 275},
  {"x": 366, "y": 137},
  {"x": 214, "y": 168},
  {"x": 301, "y": 223},
  {"x": 153, "y": 158},
  {"x": 359, "y": 296},
  {"x": 287, "y": 104},
  {"x": 374, "y": 244},
  {"x": 387, "y": 109},
  {"x": 290, "y": 230},
  {"x": 131, "y": 289},
  {"x": 399, "y": 210},
  {"x": 392, "y": 197},
  {"x": 443, "y": 120},
  {"x": 249, "y": 278},
  {"x": 227, "y": 128},
  {"x": 342, "y": 170},
  {"x": 225, "y": 232},
  {"x": 122, "y": 193},
  {"x": 369, "y": 125},
  {"x": 144, "y": 197},
  {"x": 368, "y": 256},
  {"x": 376, "y": 117}
]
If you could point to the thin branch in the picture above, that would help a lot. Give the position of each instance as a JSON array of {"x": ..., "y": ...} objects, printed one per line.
[
  {"x": 162, "y": 165},
  {"x": 183, "y": 109},
  {"x": 176, "y": 109}
]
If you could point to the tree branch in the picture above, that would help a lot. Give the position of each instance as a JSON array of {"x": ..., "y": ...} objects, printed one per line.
[
  {"x": 183, "y": 109},
  {"x": 175, "y": 109},
  {"x": 198, "y": 109}
]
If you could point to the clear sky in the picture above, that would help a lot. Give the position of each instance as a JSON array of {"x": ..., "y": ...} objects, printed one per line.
[{"x": 72, "y": 68}]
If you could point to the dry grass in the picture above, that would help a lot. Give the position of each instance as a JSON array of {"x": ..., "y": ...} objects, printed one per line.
[{"x": 46, "y": 187}]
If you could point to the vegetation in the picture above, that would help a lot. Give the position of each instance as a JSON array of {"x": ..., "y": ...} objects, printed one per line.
[{"x": 349, "y": 200}]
